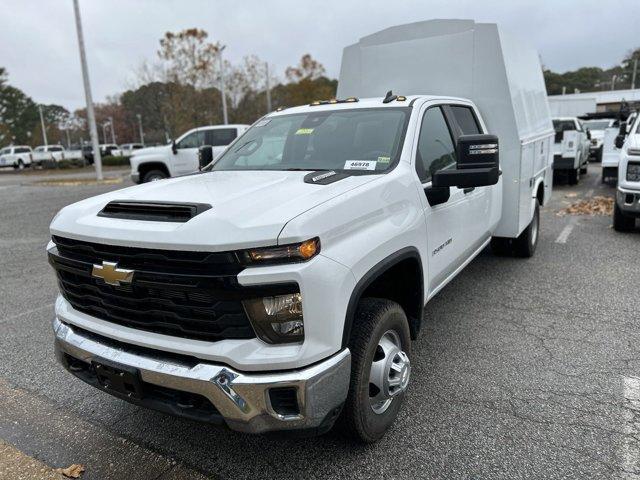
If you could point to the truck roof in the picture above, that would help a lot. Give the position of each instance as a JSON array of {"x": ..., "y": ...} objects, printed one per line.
[{"x": 361, "y": 103}]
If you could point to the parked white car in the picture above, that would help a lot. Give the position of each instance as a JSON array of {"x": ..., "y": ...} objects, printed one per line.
[
  {"x": 45, "y": 153},
  {"x": 181, "y": 156},
  {"x": 627, "y": 207},
  {"x": 596, "y": 128},
  {"x": 16, "y": 156},
  {"x": 280, "y": 287},
  {"x": 127, "y": 149},
  {"x": 570, "y": 148}
]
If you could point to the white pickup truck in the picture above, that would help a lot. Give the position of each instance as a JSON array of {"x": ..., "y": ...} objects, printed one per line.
[
  {"x": 280, "y": 287},
  {"x": 596, "y": 128},
  {"x": 181, "y": 156},
  {"x": 570, "y": 148},
  {"x": 627, "y": 207},
  {"x": 48, "y": 153},
  {"x": 16, "y": 156}
]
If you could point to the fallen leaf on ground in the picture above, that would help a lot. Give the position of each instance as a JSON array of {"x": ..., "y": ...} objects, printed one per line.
[
  {"x": 571, "y": 195},
  {"x": 593, "y": 206},
  {"x": 72, "y": 471}
]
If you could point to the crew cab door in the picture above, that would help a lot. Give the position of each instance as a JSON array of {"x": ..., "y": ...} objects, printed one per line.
[
  {"x": 435, "y": 150},
  {"x": 478, "y": 223},
  {"x": 186, "y": 158}
]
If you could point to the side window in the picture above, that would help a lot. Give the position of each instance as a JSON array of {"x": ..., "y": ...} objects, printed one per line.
[
  {"x": 193, "y": 140},
  {"x": 435, "y": 146},
  {"x": 466, "y": 119},
  {"x": 220, "y": 136}
]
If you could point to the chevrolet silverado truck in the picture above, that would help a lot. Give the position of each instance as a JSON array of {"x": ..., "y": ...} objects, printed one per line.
[
  {"x": 279, "y": 288},
  {"x": 180, "y": 157},
  {"x": 627, "y": 207},
  {"x": 17, "y": 156},
  {"x": 570, "y": 148}
]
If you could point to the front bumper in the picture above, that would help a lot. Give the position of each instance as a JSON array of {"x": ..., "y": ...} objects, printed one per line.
[
  {"x": 241, "y": 400},
  {"x": 628, "y": 201},
  {"x": 563, "y": 163}
]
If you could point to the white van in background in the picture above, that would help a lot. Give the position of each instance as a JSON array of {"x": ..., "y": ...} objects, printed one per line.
[{"x": 181, "y": 156}]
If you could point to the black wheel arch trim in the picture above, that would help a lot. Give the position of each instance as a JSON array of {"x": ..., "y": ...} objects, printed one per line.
[{"x": 368, "y": 278}]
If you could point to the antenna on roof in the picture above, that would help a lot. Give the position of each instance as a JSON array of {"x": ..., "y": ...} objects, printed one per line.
[{"x": 390, "y": 97}]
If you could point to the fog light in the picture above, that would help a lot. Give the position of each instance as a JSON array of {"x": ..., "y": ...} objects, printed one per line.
[{"x": 277, "y": 319}]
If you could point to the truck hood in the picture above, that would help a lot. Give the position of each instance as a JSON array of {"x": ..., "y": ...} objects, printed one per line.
[
  {"x": 151, "y": 150},
  {"x": 248, "y": 209}
]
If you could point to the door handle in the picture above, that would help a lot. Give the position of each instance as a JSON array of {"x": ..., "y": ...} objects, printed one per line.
[{"x": 468, "y": 190}]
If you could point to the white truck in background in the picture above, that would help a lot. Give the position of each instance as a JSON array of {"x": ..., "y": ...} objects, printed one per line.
[
  {"x": 16, "y": 156},
  {"x": 627, "y": 206},
  {"x": 48, "y": 153},
  {"x": 181, "y": 156},
  {"x": 571, "y": 106},
  {"x": 570, "y": 148},
  {"x": 596, "y": 128},
  {"x": 280, "y": 287}
]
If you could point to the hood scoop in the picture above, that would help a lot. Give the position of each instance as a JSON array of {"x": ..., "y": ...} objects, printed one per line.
[{"x": 153, "y": 211}]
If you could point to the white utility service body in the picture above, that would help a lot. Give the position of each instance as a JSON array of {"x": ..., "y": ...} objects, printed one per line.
[
  {"x": 610, "y": 154},
  {"x": 627, "y": 207},
  {"x": 596, "y": 128},
  {"x": 181, "y": 156},
  {"x": 332, "y": 215}
]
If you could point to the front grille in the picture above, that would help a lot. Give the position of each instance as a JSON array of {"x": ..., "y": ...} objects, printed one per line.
[{"x": 185, "y": 294}]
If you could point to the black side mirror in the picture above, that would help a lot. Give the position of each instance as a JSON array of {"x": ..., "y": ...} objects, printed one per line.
[
  {"x": 588, "y": 134},
  {"x": 622, "y": 131},
  {"x": 477, "y": 163},
  {"x": 619, "y": 141},
  {"x": 174, "y": 149},
  {"x": 205, "y": 156}
]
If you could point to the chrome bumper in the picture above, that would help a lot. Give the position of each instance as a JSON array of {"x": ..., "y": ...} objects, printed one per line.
[
  {"x": 628, "y": 201},
  {"x": 242, "y": 399}
]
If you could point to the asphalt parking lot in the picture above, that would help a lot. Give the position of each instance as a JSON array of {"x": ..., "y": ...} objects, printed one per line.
[{"x": 525, "y": 369}]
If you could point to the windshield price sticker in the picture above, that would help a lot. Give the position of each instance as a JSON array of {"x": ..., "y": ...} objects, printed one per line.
[
  {"x": 304, "y": 131},
  {"x": 360, "y": 165}
]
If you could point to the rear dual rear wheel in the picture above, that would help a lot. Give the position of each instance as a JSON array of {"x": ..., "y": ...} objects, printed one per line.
[{"x": 525, "y": 244}]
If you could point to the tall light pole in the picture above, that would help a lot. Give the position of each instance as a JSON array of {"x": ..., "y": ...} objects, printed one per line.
[
  {"x": 613, "y": 81},
  {"x": 97, "y": 159},
  {"x": 268, "y": 88},
  {"x": 633, "y": 75},
  {"x": 140, "y": 127},
  {"x": 104, "y": 132},
  {"x": 222, "y": 87},
  {"x": 113, "y": 131},
  {"x": 44, "y": 130}
]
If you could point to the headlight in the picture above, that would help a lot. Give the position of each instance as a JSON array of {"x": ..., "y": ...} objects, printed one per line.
[
  {"x": 633, "y": 151},
  {"x": 633, "y": 172},
  {"x": 277, "y": 319},
  {"x": 291, "y": 253}
]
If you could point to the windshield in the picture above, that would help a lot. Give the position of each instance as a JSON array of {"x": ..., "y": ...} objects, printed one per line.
[
  {"x": 596, "y": 124},
  {"x": 4, "y": 151},
  {"x": 361, "y": 139},
  {"x": 563, "y": 125}
]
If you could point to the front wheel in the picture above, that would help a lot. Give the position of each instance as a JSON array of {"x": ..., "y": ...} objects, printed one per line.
[
  {"x": 525, "y": 245},
  {"x": 380, "y": 347},
  {"x": 621, "y": 222},
  {"x": 574, "y": 176},
  {"x": 584, "y": 169},
  {"x": 153, "y": 176},
  {"x": 19, "y": 165}
]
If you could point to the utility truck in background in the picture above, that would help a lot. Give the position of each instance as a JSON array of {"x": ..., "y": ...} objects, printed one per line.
[
  {"x": 281, "y": 285},
  {"x": 180, "y": 157},
  {"x": 596, "y": 128},
  {"x": 570, "y": 148}
]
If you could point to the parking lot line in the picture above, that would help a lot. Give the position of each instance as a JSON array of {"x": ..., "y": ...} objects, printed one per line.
[
  {"x": 630, "y": 450},
  {"x": 566, "y": 231}
]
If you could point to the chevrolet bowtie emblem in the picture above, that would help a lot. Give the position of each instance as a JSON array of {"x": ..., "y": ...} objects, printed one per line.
[{"x": 111, "y": 274}]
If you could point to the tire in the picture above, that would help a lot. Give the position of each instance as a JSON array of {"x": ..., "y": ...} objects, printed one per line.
[
  {"x": 525, "y": 245},
  {"x": 599, "y": 155},
  {"x": 380, "y": 342},
  {"x": 501, "y": 246},
  {"x": 153, "y": 175},
  {"x": 584, "y": 169},
  {"x": 574, "y": 176},
  {"x": 19, "y": 165},
  {"x": 622, "y": 222}
]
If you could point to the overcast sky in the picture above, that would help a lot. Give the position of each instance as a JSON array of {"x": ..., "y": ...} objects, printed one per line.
[{"x": 38, "y": 43}]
